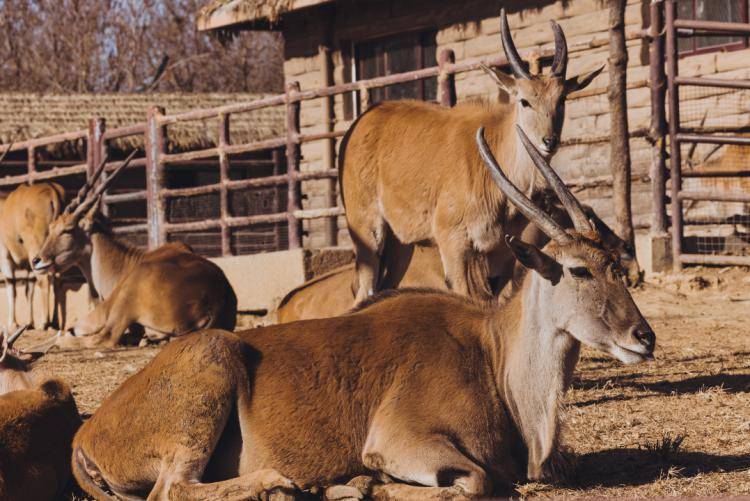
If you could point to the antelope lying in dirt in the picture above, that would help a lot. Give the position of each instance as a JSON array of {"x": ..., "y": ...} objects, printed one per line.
[
  {"x": 411, "y": 168},
  {"x": 169, "y": 290},
  {"x": 430, "y": 388},
  {"x": 38, "y": 418},
  {"x": 331, "y": 294},
  {"x": 25, "y": 216}
]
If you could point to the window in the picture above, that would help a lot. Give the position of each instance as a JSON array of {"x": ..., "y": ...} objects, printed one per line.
[
  {"x": 712, "y": 10},
  {"x": 398, "y": 54}
]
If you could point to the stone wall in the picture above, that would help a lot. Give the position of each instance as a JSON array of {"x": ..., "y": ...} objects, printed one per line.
[{"x": 471, "y": 30}]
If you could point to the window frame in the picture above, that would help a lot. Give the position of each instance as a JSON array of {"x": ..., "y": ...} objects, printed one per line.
[
  {"x": 724, "y": 47},
  {"x": 421, "y": 41}
]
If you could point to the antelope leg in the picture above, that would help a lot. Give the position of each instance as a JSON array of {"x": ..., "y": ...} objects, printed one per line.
[
  {"x": 429, "y": 460},
  {"x": 260, "y": 484}
]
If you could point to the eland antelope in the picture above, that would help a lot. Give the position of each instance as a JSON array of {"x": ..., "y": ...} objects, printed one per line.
[
  {"x": 411, "y": 168},
  {"x": 434, "y": 392},
  {"x": 169, "y": 290},
  {"x": 38, "y": 418}
]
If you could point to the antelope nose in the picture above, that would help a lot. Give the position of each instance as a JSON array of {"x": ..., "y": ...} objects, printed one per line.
[
  {"x": 646, "y": 337},
  {"x": 550, "y": 141}
]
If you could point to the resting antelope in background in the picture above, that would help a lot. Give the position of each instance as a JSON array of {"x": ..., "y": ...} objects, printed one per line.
[
  {"x": 25, "y": 216},
  {"x": 38, "y": 418},
  {"x": 170, "y": 290},
  {"x": 411, "y": 168},
  {"x": 445, "y": 393},
  {"x": 332, "y": 293}
]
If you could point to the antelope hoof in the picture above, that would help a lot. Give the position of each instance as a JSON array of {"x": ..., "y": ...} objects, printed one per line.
[{"x": 343, "y": 492}]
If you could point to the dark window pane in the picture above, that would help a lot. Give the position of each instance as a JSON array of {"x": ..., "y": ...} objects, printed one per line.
[
  {"x": 401, "y": 56},
  {"x": 429, "y": 59},
  {"x": 718, "y": 10},
  {"x": 371, "y": 65},
  {"x": 711, "y": 10}
]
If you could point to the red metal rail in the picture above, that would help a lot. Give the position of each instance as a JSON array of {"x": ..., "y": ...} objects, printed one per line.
[{"x": 678, "y": 135}]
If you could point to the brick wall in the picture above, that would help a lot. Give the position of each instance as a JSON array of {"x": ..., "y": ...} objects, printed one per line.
[{"x": 471, "y": 30}]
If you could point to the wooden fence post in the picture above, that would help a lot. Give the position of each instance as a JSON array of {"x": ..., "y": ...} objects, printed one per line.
[
  {"x": 31, "y": 163},
  {"x": 224, "y": 140},
  {"x": 618, "y": 110},
  {"x": 155, "y": 179},
  {"x": 331, "y": 229},
  {"x": 446, "y": 81},
  {"x": 658, "y": 125},
  {"x": 292, "y": 164}
]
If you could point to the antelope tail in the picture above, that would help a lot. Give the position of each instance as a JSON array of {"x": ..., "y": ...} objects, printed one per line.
[{"x": 83, "y": 478}]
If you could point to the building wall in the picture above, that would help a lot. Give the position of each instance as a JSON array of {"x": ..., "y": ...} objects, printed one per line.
[{"x": 472, "y": 30}]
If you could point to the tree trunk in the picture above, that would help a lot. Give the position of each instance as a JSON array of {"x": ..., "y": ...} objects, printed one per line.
[{"x": 618, "y": 110}]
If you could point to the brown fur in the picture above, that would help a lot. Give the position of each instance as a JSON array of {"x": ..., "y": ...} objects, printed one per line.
[
  {"x": 425, "y": 387},
  {"x": 332, "y": 294},
  {"x": 170, "y": 290},
  {"x": 412, "y": 168},
  {"x": 25, "y": 216},
  {"x": 37, "y": 424}
]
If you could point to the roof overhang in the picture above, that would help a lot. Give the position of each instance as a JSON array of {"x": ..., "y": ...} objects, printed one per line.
[{"x": 238, "y": 13}]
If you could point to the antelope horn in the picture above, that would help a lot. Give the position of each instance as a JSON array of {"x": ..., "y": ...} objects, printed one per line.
[
  {"x": 5, "y": 153},
  {"x": 92, "y": 197},
  {"x": 81, "y": 196},
  {"x": 521, "y": 201},
  {"x": 570, "y": 202},
  {"x": 14, "y": 337},
  {"x": 511, "y": 54},
  {"x": 560, "y": 62}
]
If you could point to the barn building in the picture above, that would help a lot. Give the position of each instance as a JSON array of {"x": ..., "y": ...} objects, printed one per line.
[{"x": 334, "y": 42}]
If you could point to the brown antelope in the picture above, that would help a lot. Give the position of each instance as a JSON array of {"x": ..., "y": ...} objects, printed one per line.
[
  {"x": 25, "y": 216},
  {"x": 440, "y": 391},
  {"x": 170, "y": 291},
  {"x": 38, "y": 418},
  {"x": 332, "y": 294},
  {"x": 411, "y": 168}
]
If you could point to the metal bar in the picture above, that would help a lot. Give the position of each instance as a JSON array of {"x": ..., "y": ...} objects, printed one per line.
[
  {"x": 47, "y": 140},
  {"x": 674, "y": 128},
  {"x": 331, "y": 228},
  {"x": 131, "y": 228},
  {"x": 292, "y": 165},
  {"x": 713, "y": 82},
  {"x": 226, "y": 110},
  {"x": 130, "y": 130},
  {"x": 224, "y": 140},
  {"x": 657, "y": 130},
  {"x": 93, "y": 141},
  {"x": 118, "y": 198},
  {"x": 711, "y": 139},
  {"x": 47, "y": 174},
  {"x": 267, "y": 144},
  {"x": 716, "y": 173},
  {"x": 446, "y": 81},
  {"x": 277, "y": 158},
  {"x": 31, "y": 163},
  {"x": 715, "y": 259},
  {"x": 155, "y": 179},
  {"x": 711, "y": 196},
  {"x": 715, "y": 26},
  {"x": 306, "y": 138}
]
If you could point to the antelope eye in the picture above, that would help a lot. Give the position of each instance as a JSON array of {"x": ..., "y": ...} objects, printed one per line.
[
  {"x": 525, "y": 103},
  {"x": 580, "y": 272}
]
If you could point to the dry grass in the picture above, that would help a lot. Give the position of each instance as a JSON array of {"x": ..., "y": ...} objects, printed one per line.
[{"x": 679, "y": 426}]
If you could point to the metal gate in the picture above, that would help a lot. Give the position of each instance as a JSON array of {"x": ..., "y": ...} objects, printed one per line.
[{"x": 709, "y": 141}]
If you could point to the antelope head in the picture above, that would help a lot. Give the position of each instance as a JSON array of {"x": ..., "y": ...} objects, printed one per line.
[
  {"x": 68, "y": 241},
  {"x": 15, "y": 365},
  {"x": 581, "y": 292},
  {"x": 539, "y": 99}
]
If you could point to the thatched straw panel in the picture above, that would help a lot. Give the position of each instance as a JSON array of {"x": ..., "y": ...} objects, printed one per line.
[{"x": 28, "y": 116}]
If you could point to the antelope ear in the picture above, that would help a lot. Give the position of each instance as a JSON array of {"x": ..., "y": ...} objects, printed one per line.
[
  {"x": 578, "y": 82},
  {"x": 534, "y": 259},
  {"x": 503, "y": 80}
]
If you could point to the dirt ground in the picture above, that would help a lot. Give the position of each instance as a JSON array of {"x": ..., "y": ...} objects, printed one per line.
[{"x": 679, "y": 426}]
